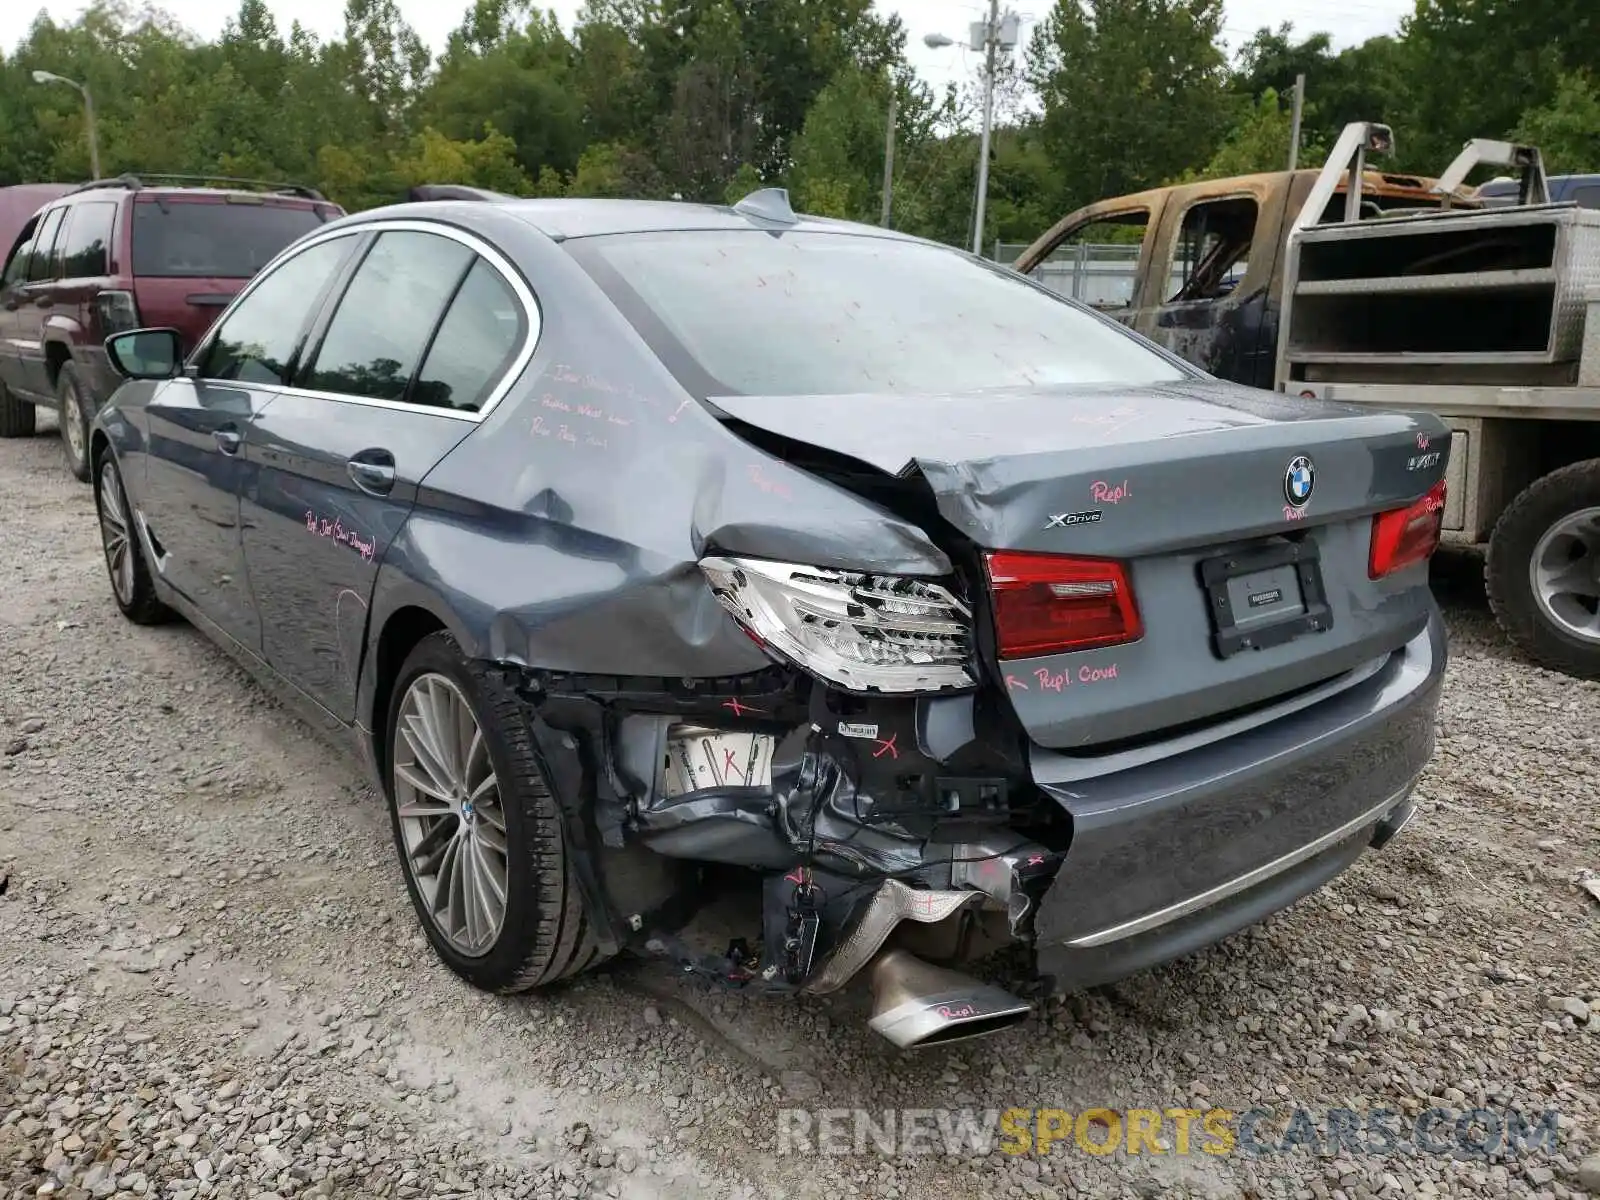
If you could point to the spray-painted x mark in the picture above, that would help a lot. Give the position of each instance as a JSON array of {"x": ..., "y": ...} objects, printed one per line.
[{"x": 887, "y": 746}]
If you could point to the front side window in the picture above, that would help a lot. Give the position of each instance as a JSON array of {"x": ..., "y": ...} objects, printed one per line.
[
  {"x": 384, "y": 320},
  {"x": 86, "y": 241},
  {"x": 256, "y": 341},
  {"x": 736, "y": 312},
  {"x": 475, "y": 344},
  {"x": 42, "y": 266}
]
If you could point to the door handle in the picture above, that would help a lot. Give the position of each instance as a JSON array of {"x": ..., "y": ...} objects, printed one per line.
[
  {"x": 228, "y": 440},
  {"x": 373, "y": 474}
]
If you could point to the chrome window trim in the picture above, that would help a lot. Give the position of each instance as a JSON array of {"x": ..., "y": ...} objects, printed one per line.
[{"x": 525, "y": 297}]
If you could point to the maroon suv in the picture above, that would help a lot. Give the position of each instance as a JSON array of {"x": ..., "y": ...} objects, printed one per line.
[{"x": 117, "y": 254}]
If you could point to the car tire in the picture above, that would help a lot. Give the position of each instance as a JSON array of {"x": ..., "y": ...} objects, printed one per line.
[
  {"x": 17, "y": 417},
  {"x": 74, "y": 420},
  {"x": 507, "y": 837},
  {"x": 131, "y": 584},
  {"x": 1543, "y": 570}
]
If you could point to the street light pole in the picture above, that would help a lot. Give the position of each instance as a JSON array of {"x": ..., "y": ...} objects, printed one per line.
[
  {"x": 888, "y": 161},
  {"x": 88, "y": 114},
  {"x": 991, "y": 34}
]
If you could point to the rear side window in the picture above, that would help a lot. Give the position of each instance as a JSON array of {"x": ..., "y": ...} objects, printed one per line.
[
  {"x": 86, "y": 243},
  {"x": 186, "y": 239},
  {"x": 42, "y": 266},
  {"x": 749, "y": 313},
  {"x": 381, "y": 328},
  {"x": 22, "y": 252},
  {"x": 474, "y": 345},
  {"x": 257, "y": 340}
]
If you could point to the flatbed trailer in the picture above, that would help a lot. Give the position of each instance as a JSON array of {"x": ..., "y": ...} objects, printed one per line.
[{"x": 1489, "y": 319}]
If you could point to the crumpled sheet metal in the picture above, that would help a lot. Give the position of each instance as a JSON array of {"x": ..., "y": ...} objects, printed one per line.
[{"x": 892, "y": 903}]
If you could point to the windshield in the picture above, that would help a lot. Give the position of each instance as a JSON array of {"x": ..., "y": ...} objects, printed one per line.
[
  {"x": 734, "y": 312},
  {"x": 192, "y": 240}
]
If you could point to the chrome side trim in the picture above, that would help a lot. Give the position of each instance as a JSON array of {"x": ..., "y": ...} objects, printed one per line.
[
  {"x": 1249, "y": 879},
  {"x": 525, "y": 297}
]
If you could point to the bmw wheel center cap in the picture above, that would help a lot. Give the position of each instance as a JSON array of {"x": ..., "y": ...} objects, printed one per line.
[{"x": 1299, "y": 481}]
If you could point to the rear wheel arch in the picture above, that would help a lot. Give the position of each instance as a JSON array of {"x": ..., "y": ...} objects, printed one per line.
[
  {"x": 99, "y": 447},
  {"x": 57, "y": 354},
  {"x": 401, "y": 632}
]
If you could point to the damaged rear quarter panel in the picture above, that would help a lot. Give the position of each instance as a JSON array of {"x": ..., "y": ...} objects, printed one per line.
[{"x": 565, "y": 531}]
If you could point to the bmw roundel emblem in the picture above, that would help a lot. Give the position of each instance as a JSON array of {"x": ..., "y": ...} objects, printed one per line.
[{"x": 1299, "y": 480}]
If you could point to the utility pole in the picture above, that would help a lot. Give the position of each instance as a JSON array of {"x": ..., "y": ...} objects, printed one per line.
[
  {"x": 1294, "y": 129},
  {"x": 888, "y": 160},
  {"x": 991, "y": 35}
]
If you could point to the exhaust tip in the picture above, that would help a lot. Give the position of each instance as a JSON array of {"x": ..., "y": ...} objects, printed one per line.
[{"x": 917, "y": 1004}]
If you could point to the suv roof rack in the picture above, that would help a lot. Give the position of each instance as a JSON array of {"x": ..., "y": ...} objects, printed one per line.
[{"x": 133, "y": 183}]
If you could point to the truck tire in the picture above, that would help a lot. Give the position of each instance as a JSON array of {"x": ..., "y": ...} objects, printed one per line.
[
  {"x": 16, "y": 415},
  {"x": 1543, "y": 570},
  {"x": 73, "y": 416}
]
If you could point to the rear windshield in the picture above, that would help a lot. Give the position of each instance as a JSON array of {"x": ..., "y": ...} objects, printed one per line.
[
  {"x": 732, "y": 312},
  {"x": 190, "y": 240}
]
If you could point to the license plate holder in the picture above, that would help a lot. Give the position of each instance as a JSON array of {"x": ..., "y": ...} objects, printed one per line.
[{"x": 1265, "y": 596}]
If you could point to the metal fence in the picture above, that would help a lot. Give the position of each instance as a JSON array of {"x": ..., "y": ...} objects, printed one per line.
[{"x": 1101, "y": 274}]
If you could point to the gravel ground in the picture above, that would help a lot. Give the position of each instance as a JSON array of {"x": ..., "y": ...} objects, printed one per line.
[{"x": 211, "y": 983}]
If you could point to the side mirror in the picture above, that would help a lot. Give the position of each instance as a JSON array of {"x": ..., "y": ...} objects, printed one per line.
[{"x": 145, "y": 353}]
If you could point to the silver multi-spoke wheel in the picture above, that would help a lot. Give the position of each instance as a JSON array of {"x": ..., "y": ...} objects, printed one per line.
[
  {"x": 1565, "y": 573},
  {"x": 115, "y": 531},
  {"x": 452, "y": 819},
  {"x": 72, "y": 420}
]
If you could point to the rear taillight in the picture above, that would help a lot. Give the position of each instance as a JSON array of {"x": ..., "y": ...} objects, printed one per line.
[
  {"x": 859, "y": 631},
  {"x": 1407, "y": 535},
  {"x": 1051, "y": 604},
  {"x": 118, "y": 312}
]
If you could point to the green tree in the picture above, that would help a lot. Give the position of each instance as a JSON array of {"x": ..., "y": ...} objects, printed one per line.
[
  {"x": 486, "y": 162},
  {"x": 1567, "y": 128},
  {"x": 1134, "y": 92},
  {"x": 1258, "y": 141},
  {"x": 1367, "y": 82},
  {"x": 516, "y": 77}
]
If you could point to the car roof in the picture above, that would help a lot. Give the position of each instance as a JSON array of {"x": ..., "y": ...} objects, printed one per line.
[{"x": 566, "y": 218}]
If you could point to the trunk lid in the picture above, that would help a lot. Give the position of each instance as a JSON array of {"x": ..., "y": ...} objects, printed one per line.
[
  {"x": 188, "y": 305},
  {"x": 193, "y": 251},
  {"x": 1188, "y": 485}
]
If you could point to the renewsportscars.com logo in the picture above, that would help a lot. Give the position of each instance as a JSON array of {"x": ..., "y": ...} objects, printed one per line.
[{"x": 1256, "y": 1132}]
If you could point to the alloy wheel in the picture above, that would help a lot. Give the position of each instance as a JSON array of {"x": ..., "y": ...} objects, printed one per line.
[
  {"x": 115, "y": 532},
  {"x": 1565, "y": 573},
  {"x": 452, "y": 819},
  {"x": 72, "y": 421}
]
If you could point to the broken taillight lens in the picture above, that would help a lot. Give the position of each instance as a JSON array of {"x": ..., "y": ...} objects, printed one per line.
[
  {"x": 859, "y": 631},
  {"x": 1407, "y": 536},
  {"x": 1053, "y": 603}
]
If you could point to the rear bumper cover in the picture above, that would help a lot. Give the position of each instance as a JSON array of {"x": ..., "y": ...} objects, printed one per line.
[{"x": 1180, "y": 850}]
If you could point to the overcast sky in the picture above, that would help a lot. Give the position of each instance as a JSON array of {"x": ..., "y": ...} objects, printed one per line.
[{"x": 1349, "y": 21}]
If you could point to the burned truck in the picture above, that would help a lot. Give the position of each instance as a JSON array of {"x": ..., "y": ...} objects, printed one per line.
[{"x": 1393, "y": 291}]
